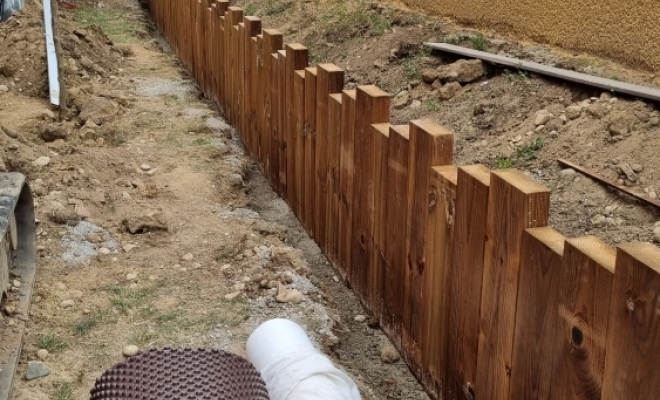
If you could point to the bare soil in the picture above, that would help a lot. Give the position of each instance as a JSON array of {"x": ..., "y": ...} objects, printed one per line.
[{"x": 160, "y": 229}]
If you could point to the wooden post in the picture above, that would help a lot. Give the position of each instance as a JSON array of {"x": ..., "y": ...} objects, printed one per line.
[
  {"x": 273, "y": 41},
  {"x": 330, "y": 79},
  {"x": 380, "y": 140},
  {"x": 208, "y": 50},
  {"x": 346, "y": 175},
  {"x": 430, "y": 145},
  {"x": 473, "y": 183},
  {"x": 515, "y": 203},
  {"x": 633, "y": 345},
  {"x": 281, "y": 129},
  {"x": 252, "y": 29},
  {"x": 585, "y": 290},
  {"x": 372, "y": 106},
  {"x": 275, "y": 105},
  {"x": 299, "y": 132},
  {"x": 297, "y": 58},
  {"x": 334, "y": 135},
  {"x": 536, "y": 314},
  {"x": 435, "y": 285},
  {"x": 258, "y": 96},
  {"x": 309, "y": 141},
  {"x": 395, "y": 237},
  {"x": 222, "y": 7},
  {"x": 232, "y": 18}
]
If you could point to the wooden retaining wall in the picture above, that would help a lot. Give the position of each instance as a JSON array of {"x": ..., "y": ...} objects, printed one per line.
[{"x": 484, "y": 300}]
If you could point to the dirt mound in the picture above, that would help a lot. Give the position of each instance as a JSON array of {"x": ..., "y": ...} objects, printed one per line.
[{"x": 86, "y": 54}]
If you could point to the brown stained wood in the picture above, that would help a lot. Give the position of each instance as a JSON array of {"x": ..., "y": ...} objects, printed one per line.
[
  {"x": 240, "y": 82},
  {"x": 346, "y": 175},
  {"x": 430, "y": 145},
  {"x": 334, "y": 135},
  {"x": 258, "y": 96},
  {"x": 199, "y": 41},
  {"x": 396, "y": 206},
  {"x": 435, "y": 285},
  {"x": 273, "y": 41},
  {"x": 372, "y": 106},
  {"x": 232, "y": 18},
  {"x": 633, "y": 339},
  {"x": 515, "y": 203},
  {"x": 297, "y": 58},
  {"x": 208, "y": 52},
  {"x": 330, "y": 79},
  {"x": 252, "y": 29},
  {"x": 275, "y": 123},
  {"x": 473, "y": 184},
  {"x": 222, "y": 8},
  {"x": 281, "y": 129},
  {"x": 299, "y": 132},
  {"x": 381, "y": 134},
  {"x": 309, "y": 143},
  {"x": 585, "y": 290},
  {"x": 536, "y": 314}
]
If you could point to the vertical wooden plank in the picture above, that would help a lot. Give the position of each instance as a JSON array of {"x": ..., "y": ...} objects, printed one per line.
[
  {"x": 273, "y": 41},
  {"x": 346, "y": 175},
  {"x": 381, "y": 134},
  {"x": 232, "y": 19},
  {"x": 430, "y": 145},
  {"x": 633, "y": 338},
  {"x": 536, "y": 314},
  {"x": 473, "y": 184},
  {"x": 275, "y": 122},
  {"x": 252, "y": 26},
  {"x": 372, "y": 106},
  {"x": 222, "y": 7},
  {"x": 297, "y": 59},
  {"x": 330, "y": 80},
  {"x": 309, "y": 144},
  {"x": 334, "y": 135},
  {"x": 435, "y": 285},
  {"x": 281, "y": 129},
  {"x": 251, "y": 82},
  {"x": 258, "y": 97},
  {"x": 515, "y": 203},
  {"x": 395, "y": 236},
  {"x": 585, "y": 290},
  {"x": 299, "y": 132},
  {"x": 208, "y": 49}
]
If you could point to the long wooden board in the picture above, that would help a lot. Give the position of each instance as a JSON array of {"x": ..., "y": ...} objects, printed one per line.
[
  {"x": 296, "y": 59},
  {"x": 346, "y": 168},
  {"x": 334, "y": 135},
  {"x": 309, "y": 143}
]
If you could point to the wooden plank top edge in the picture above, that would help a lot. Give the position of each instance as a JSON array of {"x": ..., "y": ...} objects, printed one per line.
[
  {"x": 478, "y": 172},
  {"x": 448, "y": 172},
  {"x": 300, "y": 73},
  {"x": 373, "y": 91},
  {"x": 402, "y": 130},
  {"x": 644, "y": 252},
  {"x": 252, "y": 18},
  {"x": 330, "y": 67},
  {"x": 272, "y": 32},
  {"x": 521, "y": 181},
  {"x": 311, "y": 70},
  {"x": 432, "y": 127},
  {"x": 602, "y": 83},
  {"x": 596, "y": 249},
  {"x": 336, "y": 97},
  {"x": 296, "y": 46},
  {"x": 382, "y": 128},
  {"x": 352, "y": 93},
  {"x": 550, "y": 237},
  {"x": 282, "y": 53}
]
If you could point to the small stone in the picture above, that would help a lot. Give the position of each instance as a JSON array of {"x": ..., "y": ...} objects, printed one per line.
[
  {"x": 567, "y": 172},
  {"x": 335, "y": 278},
  {"x": 450, "y": 90},
  {"x": 656, "y": 231},
  {"x": 187, "y": 257},
  {"x": 653, "y": 195},
  {"x": 128, "y": 247},
  {"x": 60, "y": 286},
  {"x": 637, "y": 168},
  {"x": 628, "y": 172},
  {"x": 125, "y": 196},
  {"x": 4, "y": 88},
  {"x": 42, "y": 354},
  {"x": 131, "y": 277},
  {"x": 86, "y": 311},
  {"x": 598, "y": 220},
  {"x": 76, "y": 294},
  {"x": 232, "y": 296},
  {"x": 517, "y": 139},
  {"x": 429, "y": 75},
  {"x": 542, "y": 117},
  {"x": 41, "y": 161},
  {"x": 539, "y": 128},
  {"x": 130, "y": 350},
  {"x": 152, "y": 277},
  {"x": 239, "y": 287},
  {"x": 36, "y": 369},
  {"x": 389, "y": 354},
  {"x": 416, "y": 104},
  {"x": 104, "y": 251},
  {"x": 553, "y": 134},
  {"x": 656, "y": 238},
  {"x": 10, "y": 309},
  {"x": 47, "y": 115},
  {"x": 290, "y": 296},
  {"x": 655, "y": 121},
  {"x": 563, "y": 118},
  {"x": 67, "y": 304},
  {"x": 145, "y": 167},
  {"x": 573, "y": 112},
  {"x": 225, "y": 267},
  {"x": 360, "y": 318},
  {"x": 16, "y": 283}
]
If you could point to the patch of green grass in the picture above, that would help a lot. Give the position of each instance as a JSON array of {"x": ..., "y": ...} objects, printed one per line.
[
  {"x": 432, "y": 105},
  {"x": 64, "y": 391},
  {"x": 85, "y": 324},
  {"x": 116, "y": 22},
  {"x": 504, "y": 162},
  {"x": 344, "y": 22},
  {"x": 251, "y": 9},
  {"x": 519, "y": 74},
  {"x": 52, "y": 343},
  {"x": 479, "y": 42},
  {"x": 523, "y": 155},
  {"x": 202, "y": 142},
  {"x": 80, "y": 376}
]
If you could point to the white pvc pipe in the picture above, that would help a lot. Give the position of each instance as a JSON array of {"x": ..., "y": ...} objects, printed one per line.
[
  {"x": 292, "y": 368},
  {"x": 51, "y": 55}
]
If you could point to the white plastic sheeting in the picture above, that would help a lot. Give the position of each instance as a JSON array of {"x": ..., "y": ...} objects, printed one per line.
[{"x": 51, "y": 54}]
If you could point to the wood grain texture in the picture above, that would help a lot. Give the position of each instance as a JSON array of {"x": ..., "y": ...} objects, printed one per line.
[
  {"x": 252, "y": 82},
  {"x": 515, "y": 203},
  {"x": 334, "y": 135},
  {"x": 536, "y": 314},
  {"x": 585, "y": 290},
  {"x": 346, "y": 174},
  {"x": 435, "y": 285},
  {"x": 208, "y": 52},
  {"x": 275, "y": 123},
  {"x": 273, "y": 42},
  {"x": 473, "y": 184},
  {"x": 309, "y": 142},
  {"x": 299, "y": 132},
  {"x": 381, "y": 134},
  {"x": 296, "y": 59},
  {"x": 240, "y": 80},
  {"x": 395, "y": 231},
  {"x": 372, "y": 106},
  {"x": 430, "y": 145},
  {"x": 330, "y": 79},
  {"x": 633, "y": 339},
  {"x": 258, "y": 96},
  {"x": 281, "y": 120}
]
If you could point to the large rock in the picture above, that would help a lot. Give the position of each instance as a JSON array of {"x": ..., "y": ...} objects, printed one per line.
[
  {"x": 462, "y": 71},
  {"x": 429, "y": 75},
  {"x": 449, "y": 90},
  {"x": 542, "y": 117},
  {"x": 36, "y": 369},
  {"x": 146, "y": 223},
  {"x": 52, "y": 132},
  {"x": 573, "y": 112},
  {"x": 99, "y": 110}
]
